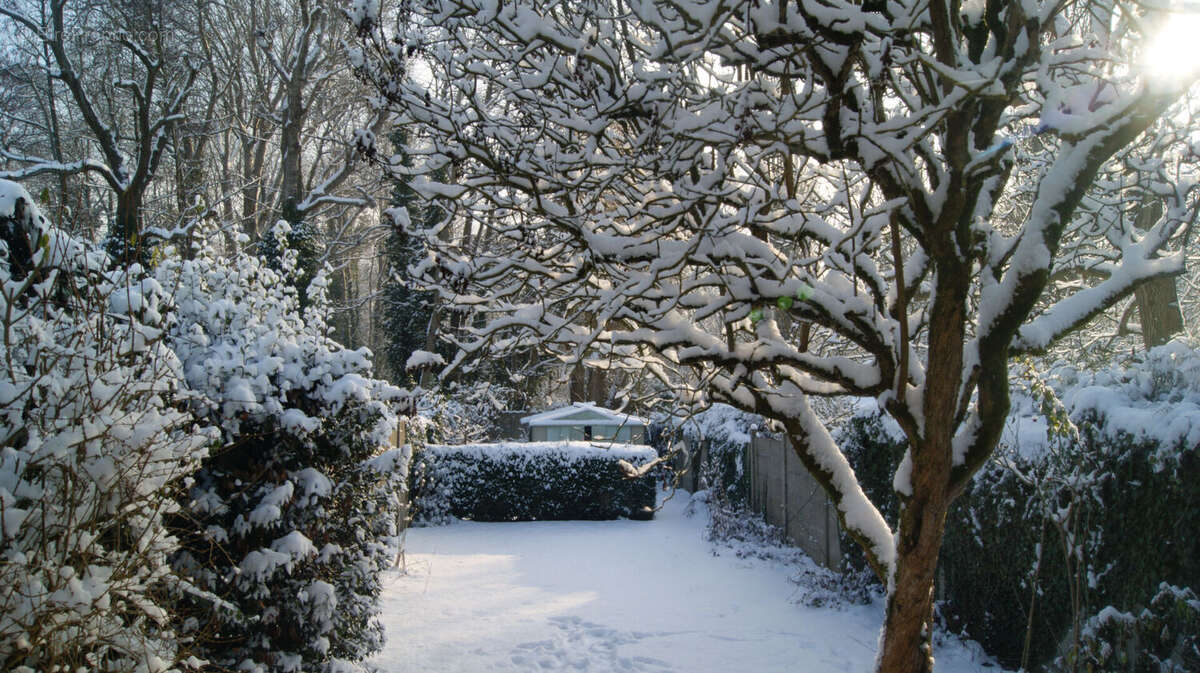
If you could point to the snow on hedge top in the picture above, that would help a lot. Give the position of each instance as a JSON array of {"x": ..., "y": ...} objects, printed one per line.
[
  {"x": 566, "y": 450},
  {"x": 721, "y": 424},
  {"x": 1155, "y": 397}
]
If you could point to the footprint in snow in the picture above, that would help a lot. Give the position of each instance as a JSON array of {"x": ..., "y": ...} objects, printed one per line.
[{"x": 584, "y": 646}]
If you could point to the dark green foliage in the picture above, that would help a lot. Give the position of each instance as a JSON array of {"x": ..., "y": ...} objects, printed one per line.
[
  {"x": 719, "y": 466},
  {"x": 1150, "y": 529},
  {"x": 1136, "y": 529},
  {"x": 1163, "y": 638},
  {"x": 287, "y": 526},
  {"x": 15, "y": 234},
  {"x": 724, "y": 469},
  {"x": 405, "y": 312},
  {"x": 301, "y": 238},
  {"x": 123, "y": 252},
  {"x": 508, "y": 483},
  {"x": 874, "y": 453},
  {"x": 336, "y": 503},
  {"x": 989, "y": 559},
  {"x": 718, "y": 439}
]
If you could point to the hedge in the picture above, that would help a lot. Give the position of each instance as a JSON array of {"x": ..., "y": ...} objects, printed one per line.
[
  {"x": 528, "y": 481},
  {"x": 1135, "y": 530}
]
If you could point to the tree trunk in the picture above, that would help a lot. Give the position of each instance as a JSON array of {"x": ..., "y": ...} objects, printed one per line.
[
  {"x": 906, "y": 646},
  {"x": 1157, "y": 300},
  {"x": 1158, "y": 310},
  {"x": 127, "y": 226},
  {"x": 577, "y": 388},
  {"x": 597, "y": 386},
  {"x": 431, "y": 337},
  {"x": 291, "y": 184}
]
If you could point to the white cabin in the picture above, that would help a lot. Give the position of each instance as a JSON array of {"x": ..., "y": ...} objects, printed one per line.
[{"x": 584, "y": 421}]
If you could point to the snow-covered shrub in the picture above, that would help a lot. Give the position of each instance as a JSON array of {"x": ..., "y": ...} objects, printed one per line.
[
  {"x": 524, "y": 481},
  {"x": 290, "y": 522},
  {"x": 1000, "y": 553},
  {"x": 461, "y": 413},
  {"x": 1163, "y": 638},
  {"x": 92, "y": 445},
  {"x": 745, "y": 534},
  {"x": 724, "y": 433}
]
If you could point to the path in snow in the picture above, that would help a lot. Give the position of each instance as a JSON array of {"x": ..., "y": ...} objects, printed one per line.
[{"x": 612, "y": 596}]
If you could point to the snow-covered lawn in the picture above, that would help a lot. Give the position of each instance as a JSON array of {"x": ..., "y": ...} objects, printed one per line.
[{"x": 620, "y": 596}]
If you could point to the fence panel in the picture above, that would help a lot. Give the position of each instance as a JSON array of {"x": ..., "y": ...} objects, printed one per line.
[
  {"x": 781, "y": 490},
  {"x": 791, "y": 499}
]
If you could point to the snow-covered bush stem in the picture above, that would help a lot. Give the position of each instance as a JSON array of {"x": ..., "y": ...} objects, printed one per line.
[
  {"x": 290, "y": 522},
  {"x": 93, "y": 441}
]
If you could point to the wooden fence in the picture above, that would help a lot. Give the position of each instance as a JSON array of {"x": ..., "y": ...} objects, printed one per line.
[
  {"x": 788, "y": 497},
  {"x": 779, "y": 488}
]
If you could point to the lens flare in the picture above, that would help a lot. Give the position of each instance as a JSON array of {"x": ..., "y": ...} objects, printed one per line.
[{"x": 1173, "y": 54}]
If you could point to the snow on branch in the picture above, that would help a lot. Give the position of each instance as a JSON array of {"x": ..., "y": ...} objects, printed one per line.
[{"x": 770, "y": 201}]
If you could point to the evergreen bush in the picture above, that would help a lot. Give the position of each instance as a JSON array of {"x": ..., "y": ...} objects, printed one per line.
[
  {"x": 718, "y": 438},
  {"x": 531, "y": 481},
  {"x": 289, "y": 524},
  {"x": 93, "y": 446},
  {"x": 1080, "y": 524},
  {"x": 1162, "y": 638}
]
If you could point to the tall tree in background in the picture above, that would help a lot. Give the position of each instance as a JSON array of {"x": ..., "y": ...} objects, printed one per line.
[
  {"x": 759, "y": 202},
  {"x": 262, "y": 130},
  {"x": 305, "y": 61},
  {"x": 152, "y": 78},
  {"x": 406, "y": 314}
]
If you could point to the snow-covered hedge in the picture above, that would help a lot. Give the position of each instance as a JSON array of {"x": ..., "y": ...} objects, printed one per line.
[
  {"x": 290, "y": 522},
  {"x": 92, "y": 442},
  {"x": 717, "y": 439},
  {"x": 1103, "y": 464},
  {"x": 523, "y": 481}
]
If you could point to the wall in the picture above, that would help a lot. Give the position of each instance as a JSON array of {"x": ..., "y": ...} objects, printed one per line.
[{"x": 602, "y": 433}]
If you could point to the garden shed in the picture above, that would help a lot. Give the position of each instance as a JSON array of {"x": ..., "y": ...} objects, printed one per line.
[{"x": 584, "y": 421}]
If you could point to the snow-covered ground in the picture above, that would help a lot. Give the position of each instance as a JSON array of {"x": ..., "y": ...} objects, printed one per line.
[{"x": 619, "y": 596}]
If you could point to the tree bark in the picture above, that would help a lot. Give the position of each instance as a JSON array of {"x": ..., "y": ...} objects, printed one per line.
[
  {"x": 906, "y": 646},
  {"x": 431, "y": 338},
  {"x": 597, "y": 386},
  {"x": 1158, "y": 309},
  {"x": 577, "y": 388},
  {"x": 1157, "y": 300},
  {"x": 128, "y": 224}
]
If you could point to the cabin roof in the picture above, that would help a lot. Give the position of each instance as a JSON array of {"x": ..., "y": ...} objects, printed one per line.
[{"x": 582, "y": 413}]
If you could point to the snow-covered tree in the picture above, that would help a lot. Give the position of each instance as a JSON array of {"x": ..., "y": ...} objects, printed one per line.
[
  {"x": 291, "y": 521},
  {"x": 128, "y": 111},
  {"x": 764, "y": 201},
  {"x": 93, "y": 443},
  {"x": 405, "y": 314}
]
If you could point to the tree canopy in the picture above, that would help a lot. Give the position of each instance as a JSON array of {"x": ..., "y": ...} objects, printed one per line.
[{"x": 762, "y": 202}]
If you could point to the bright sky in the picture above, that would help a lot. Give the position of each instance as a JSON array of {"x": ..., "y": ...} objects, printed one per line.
[{"x": 1174, "y": 52}]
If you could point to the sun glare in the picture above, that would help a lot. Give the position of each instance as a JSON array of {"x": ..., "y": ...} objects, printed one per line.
[{"x": 1174, "y": 52}]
